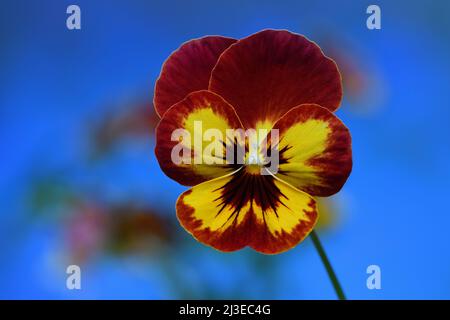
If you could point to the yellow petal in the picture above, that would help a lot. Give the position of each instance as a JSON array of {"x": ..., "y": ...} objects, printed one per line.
[
  {"x": 314, "y": 150},
  {"x": 242, "y": 209},
  {"x": 193, "y": 137}
]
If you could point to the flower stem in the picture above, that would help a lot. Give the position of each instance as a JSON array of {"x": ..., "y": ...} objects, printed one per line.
[{"x": 328, "y": 267}]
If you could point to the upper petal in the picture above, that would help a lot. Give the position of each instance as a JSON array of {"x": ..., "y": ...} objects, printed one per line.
[
  {"x": 186, "y": 149},
  {"x": 188, "y": 69},
  {"x": 241, "y": 209},
  {"x": 314, "y": 150},
  {"x": 270, "y": 72}
]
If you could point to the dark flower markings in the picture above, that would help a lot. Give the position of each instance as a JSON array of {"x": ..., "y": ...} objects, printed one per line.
[
  {"x": 250, "y": 232},
  {"x": 244, "y": 188}
]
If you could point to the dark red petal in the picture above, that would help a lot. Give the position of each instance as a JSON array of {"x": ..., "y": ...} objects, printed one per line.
[
  {"x": 188, "y": 69},
  {"x": 270, "y": 72}
]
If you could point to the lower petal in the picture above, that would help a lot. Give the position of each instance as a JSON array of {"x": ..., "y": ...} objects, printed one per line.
[{"x": 243, "y": 209}]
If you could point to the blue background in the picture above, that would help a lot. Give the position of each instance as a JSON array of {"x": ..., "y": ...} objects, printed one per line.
[{"x": 57, "y": 83}]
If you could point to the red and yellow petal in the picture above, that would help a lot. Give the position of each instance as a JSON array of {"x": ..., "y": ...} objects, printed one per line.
[
  {"x": 188, "y": 69},
  {"x": 266, "y": 74},
  {"x": 242, "y": 209},
  {"x": 184, "y": 133},
  {"x": 314, "y": 148}
]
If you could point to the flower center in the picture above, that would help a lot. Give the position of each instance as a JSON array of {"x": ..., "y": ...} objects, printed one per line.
[{"x": 254, "y": 160}]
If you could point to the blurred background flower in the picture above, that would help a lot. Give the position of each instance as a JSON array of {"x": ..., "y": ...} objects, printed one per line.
[
  {"x": 79, "y": 182},
  {"x": 133, "y": 120}
]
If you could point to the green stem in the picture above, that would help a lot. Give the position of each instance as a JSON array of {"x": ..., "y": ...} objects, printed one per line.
[{"x": 328, "y": 267}]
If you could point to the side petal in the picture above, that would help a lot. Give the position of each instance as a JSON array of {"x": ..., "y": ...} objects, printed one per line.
[
  {"x": 272, "y": 71},
  {"x": 183, "y": 150},
  {"x": 241, "y": 209},
  {"x": 188, "y": 69},
  {"x": 314, "y": 149}
]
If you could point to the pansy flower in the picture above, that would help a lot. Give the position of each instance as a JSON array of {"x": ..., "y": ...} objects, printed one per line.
[{"x": 273, "y": 79}]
